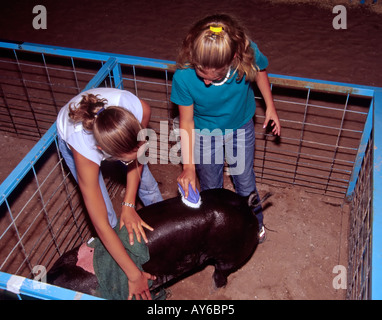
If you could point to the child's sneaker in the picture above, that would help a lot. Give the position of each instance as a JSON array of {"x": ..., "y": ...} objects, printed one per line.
[{"x": 261, "y": 235}]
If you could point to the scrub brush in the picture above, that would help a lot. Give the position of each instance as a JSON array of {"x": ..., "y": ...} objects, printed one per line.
[{"x": 193, "y": 200}]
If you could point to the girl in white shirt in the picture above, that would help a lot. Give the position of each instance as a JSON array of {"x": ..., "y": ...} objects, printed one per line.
[{"x": 104, "y": 123}]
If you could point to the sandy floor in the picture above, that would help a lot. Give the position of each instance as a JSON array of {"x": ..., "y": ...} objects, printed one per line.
[{"x": 306, "y": 233}]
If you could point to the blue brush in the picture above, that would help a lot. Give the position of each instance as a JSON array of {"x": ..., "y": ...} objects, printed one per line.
[{"x": 193, "y": 200}]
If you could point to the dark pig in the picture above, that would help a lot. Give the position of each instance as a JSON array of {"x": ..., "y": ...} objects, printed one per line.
[{"x": 222, "y": 232}]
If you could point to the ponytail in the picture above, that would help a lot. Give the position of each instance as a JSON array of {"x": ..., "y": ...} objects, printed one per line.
[
  {"x": 86, "y": 111},
  {"x": 114, "y": 128}
]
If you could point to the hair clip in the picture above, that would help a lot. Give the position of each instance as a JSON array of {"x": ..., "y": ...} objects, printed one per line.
[
  {"x": 99, "y": 111},
  {"x": 216, "y": 30}
]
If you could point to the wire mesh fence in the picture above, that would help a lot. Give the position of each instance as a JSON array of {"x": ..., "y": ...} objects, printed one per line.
[{"x": 360, "y": 232}]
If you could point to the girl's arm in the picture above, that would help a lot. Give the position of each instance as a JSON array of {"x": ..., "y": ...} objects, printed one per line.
[
  {"x": 146, "y": 114},
  {"x": 87, "y": 172},
  {"x": 187, "y": 126},
  {"x": 129, "y": 216},
  {"x": 262, "y": 82}
]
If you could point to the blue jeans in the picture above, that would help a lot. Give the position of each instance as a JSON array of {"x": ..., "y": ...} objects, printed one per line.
[
  {"x": 148, "y": 190},
  {"x": 237, "y": 148}
]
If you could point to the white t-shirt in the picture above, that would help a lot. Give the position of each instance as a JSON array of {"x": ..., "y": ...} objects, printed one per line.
[{"x": 82, "y": 140}]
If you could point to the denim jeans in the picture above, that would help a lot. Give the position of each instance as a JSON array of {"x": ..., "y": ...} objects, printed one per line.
[
  {"x": 148, "y": 190},
  {"x": 237, "y": 148}
]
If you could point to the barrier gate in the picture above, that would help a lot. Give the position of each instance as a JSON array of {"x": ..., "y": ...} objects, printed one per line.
[{"x": 330, "y": 145}]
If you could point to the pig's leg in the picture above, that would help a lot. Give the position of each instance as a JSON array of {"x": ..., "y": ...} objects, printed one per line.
[{"x": 222, "y": 271}]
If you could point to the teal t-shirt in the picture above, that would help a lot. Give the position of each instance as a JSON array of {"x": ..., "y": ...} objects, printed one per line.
[{"x": 224, "y": 107}]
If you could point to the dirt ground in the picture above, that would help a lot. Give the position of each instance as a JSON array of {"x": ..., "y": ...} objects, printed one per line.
[{"x": 306, "y": 233}]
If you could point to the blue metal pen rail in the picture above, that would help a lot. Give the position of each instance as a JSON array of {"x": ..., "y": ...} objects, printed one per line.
[{"x": 329, "y": 146}]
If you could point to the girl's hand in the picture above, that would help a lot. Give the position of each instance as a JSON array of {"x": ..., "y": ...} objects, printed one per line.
[
  {"x": 187, "y": 176},
  {"x": 133, "y": 223},
  {"x": 139, "y": 287},
  {"x": 271, "y": 115}
]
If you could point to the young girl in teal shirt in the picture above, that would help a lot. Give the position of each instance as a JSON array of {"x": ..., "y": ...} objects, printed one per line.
[{"x": 212, "y": 86}]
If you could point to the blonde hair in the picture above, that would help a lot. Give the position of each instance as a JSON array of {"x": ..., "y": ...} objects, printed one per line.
[
  {"x": 115, "y": 128},
  {"x": 204, "y": 48}
]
